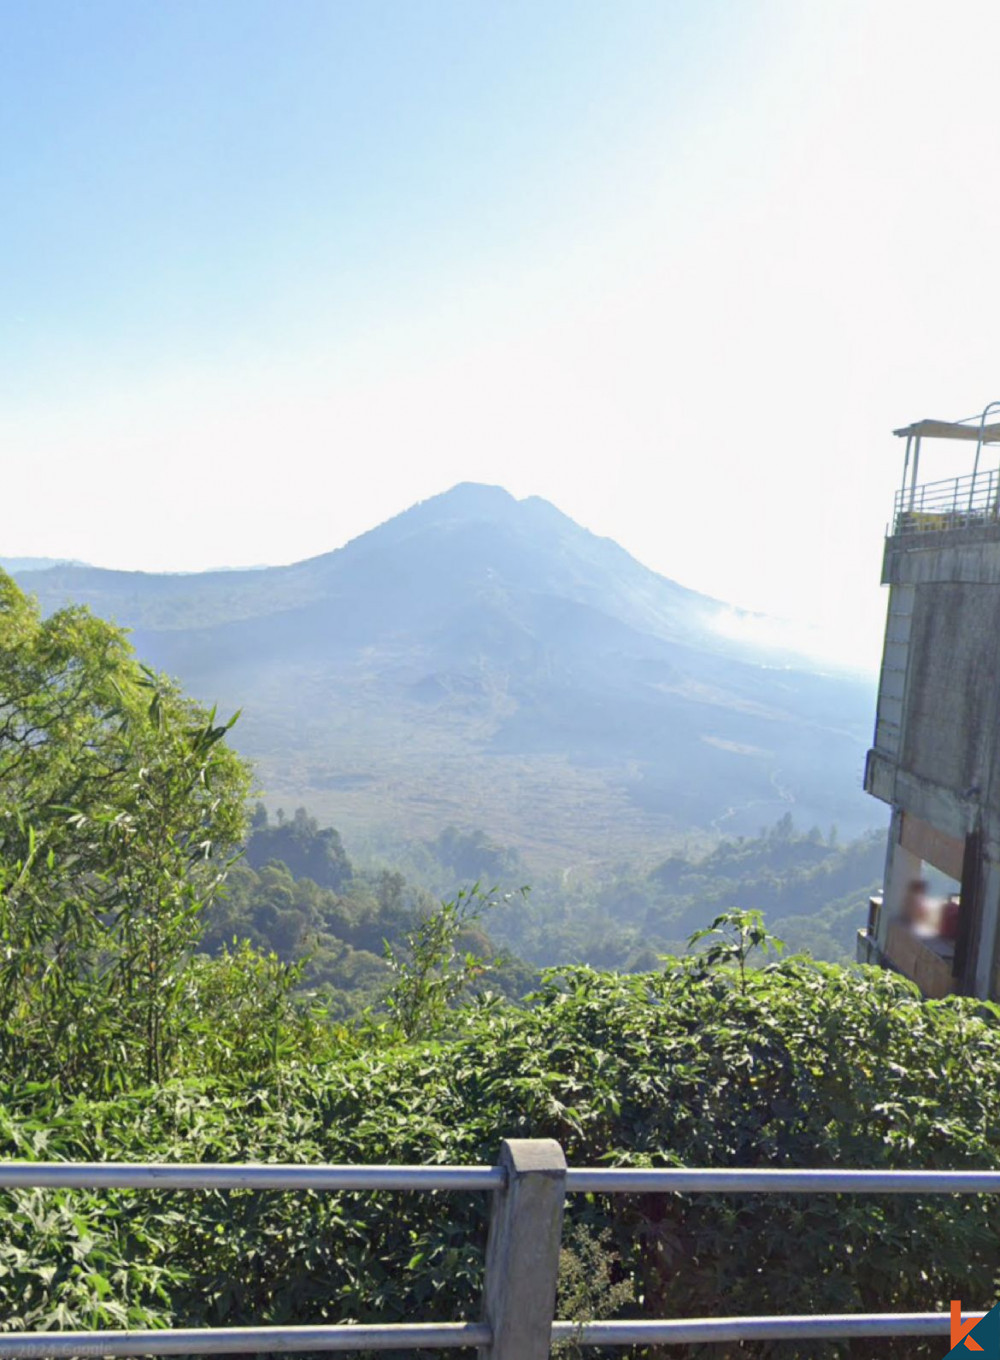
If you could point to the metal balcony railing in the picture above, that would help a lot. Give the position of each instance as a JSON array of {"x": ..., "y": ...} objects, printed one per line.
[
  {"x": 955, "y": 503},
  {"x": 529, "y": 1185}
]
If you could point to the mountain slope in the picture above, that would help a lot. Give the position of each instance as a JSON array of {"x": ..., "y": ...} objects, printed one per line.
[{"x": 486, "y": 661}]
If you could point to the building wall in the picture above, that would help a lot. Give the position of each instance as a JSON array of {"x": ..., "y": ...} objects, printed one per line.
[
  {"x": 941, "y": 682},
  {"x": 936, "y": 753},
  {"x": 950, "y": 700}
]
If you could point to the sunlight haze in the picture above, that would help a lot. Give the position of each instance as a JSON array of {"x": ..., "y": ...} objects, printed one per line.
[{"x": 279, "y": 271}]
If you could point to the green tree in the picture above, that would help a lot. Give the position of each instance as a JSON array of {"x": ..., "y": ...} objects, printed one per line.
[
  {"x": 120, "y": 805},
  {"x": 243, "y": 1016},
  {"x": 733, "y": 937},
  {"x": 434, "y": 969},
  {"x": 309, "y": 850}
]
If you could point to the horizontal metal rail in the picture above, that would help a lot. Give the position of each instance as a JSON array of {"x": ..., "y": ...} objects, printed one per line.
[
  {"x": 579, "y": 1180},
  {"x": 688, "y": 1331},
  {"x": 427, "y": 1336},
  {"x": 245, "y": 1176},
  {"x": 955, "y": 502},
  {"x": 467, "y": 1335},
  {"x": 697, "y": 1180}
]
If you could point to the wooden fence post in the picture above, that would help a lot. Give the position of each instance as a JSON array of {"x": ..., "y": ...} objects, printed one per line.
[{"x": 522, "y": 1253}]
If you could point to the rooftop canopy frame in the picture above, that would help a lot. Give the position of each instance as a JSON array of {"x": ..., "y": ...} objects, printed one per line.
[{"x": 971, "y": 428}]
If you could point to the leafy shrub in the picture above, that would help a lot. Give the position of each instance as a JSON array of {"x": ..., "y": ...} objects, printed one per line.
[{"x": 809, "y": 1066}]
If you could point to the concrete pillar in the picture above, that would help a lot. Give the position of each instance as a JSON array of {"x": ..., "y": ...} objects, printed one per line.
[
  {"x": 987, "y": 981},
  {"x": 901, "y": 868},
  {"x": 522, "y": 1253}
]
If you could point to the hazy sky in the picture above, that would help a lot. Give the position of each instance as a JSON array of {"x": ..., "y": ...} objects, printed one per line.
[{"x": 271, "y": 270}]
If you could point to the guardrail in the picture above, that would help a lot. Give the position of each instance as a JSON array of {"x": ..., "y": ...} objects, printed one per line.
[
  {"x": 529, "y": 1185},
  {"x": 954, "y": 503}
]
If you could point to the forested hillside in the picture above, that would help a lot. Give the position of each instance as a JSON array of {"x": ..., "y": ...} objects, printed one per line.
[
  {"x": 296, "y": 892},
  {"x": 487, "y": 662},
  {"x": 812, "y": 886}
]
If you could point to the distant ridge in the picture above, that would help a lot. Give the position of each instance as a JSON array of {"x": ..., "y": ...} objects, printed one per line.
[
  {"x": 485, "y": 661},
  {"x": 14, "y": 565}
]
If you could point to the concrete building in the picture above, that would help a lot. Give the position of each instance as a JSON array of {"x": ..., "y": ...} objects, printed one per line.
[{"x": 936, "y": 755}]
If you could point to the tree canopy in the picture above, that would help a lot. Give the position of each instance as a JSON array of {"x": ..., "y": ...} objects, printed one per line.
[
  {"x": 309, "y": 850},
  {"x": 120, "y": 803}
]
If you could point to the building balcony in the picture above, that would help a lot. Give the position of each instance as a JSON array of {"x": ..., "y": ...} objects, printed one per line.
[
  {"x": 969, "y": 502},
  {"x": 926, "y": 959},
  {"x": 966, "y": 501}
]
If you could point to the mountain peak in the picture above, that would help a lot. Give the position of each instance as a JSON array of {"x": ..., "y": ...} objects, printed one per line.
[
  {"x": 480, "y": 493},
  {"x": 472, "y": 501},
  {"x": 485, "y": 659},
  {"x": 468, "y": 498}
]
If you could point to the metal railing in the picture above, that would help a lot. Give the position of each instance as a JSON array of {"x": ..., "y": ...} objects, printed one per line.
[
  {"x": 529, "y": 1185},
  {"x": 954, "y": 503}
]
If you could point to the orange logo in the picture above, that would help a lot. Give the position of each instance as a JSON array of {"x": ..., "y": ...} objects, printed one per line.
[{"x": 960, "y": 1328}]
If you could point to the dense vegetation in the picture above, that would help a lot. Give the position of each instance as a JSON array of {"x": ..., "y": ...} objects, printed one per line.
[
  {"x": 810, "y": 1065},
  {"x": 341, "y": 924},
  {"x": 812, "y": 888},
  {"x": 119, "y": 802},
  {"x": 152, "y": 1010},
  {"x": 296, "y": 893}
]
